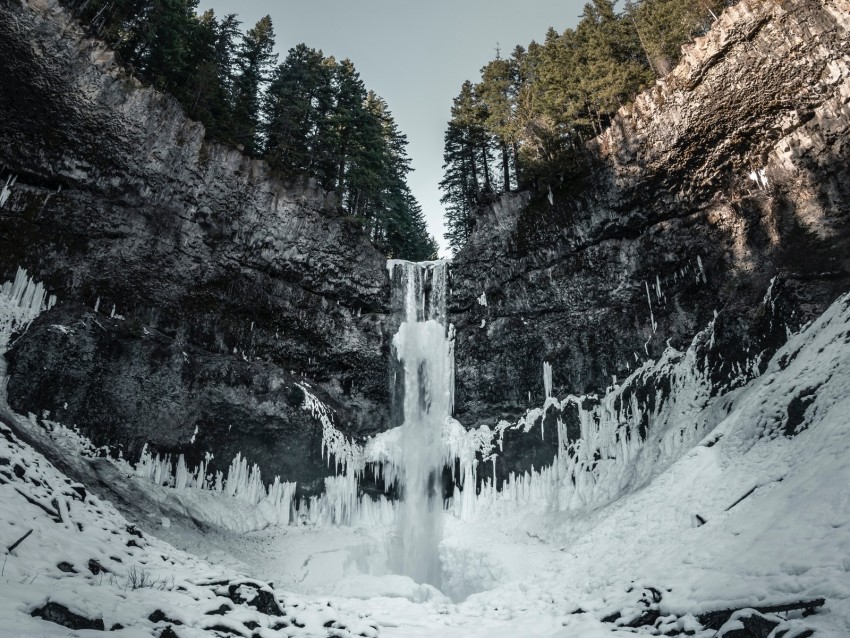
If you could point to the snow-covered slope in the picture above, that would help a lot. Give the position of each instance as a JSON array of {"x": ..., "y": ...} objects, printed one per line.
[
  {"x": 76, "y": 564},
  {"x": 756, "y": 515}
]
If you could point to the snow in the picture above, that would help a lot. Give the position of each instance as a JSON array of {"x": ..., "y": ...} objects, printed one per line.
[
  {"x": 84, "y": 555},
  {"x": 759, "y": 177},
  {"x": 607, "y": 526}
]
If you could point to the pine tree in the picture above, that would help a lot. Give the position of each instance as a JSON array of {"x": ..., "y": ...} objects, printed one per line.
[
  {"x": 298, "y": 103},
  {"x": 459, "y": 185},
  {"x": 255, "y": 61},
  {"x": 497, "y": 93},
  {"x": 663, "y": 26}
]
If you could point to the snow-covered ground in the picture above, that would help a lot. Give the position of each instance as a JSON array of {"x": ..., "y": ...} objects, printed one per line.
[{"x": 755, "y": 515}]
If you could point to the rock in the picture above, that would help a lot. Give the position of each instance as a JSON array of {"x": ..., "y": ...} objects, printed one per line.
[
  {"x": 185, "y": 246},
  {"x": 159, "y": 616},
  {"x": 182, "y": 399},
  {"x": 66, "y": 567},
  {"x": 224, "y": 629},
  {"x": 668, "y": 227},
  {"x": 716, "y": 619},
  {"x": 168, "y": 632},
  {"x": 611, "y": 618},
  {"x": 61, "y": 615},
  {"x": 96, "y": 568},
  {"x": 262, "y": 598},
  {"x": 747, "y": 623}
]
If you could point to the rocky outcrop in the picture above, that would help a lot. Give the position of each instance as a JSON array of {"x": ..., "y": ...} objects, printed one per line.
[
  {"x": 197, "y": 290},
  {"x": 193, "y": 282},
  {"x": 730, "y": 172}
]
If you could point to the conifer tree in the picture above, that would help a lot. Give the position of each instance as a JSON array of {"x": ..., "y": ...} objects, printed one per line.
[
  {"x": 298, "y": 103},
  {"x": 255, "y": 60}
]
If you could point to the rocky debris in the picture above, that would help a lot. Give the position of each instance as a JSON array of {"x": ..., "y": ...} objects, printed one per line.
[
  {"x": 669, "y": 232},
  {"x": 61, "y": 615},
  {"x": 158, "y": 243},
  {"x": 159, "y": 616},
  {"x": 260, "y": 596},
  {"x": 649, "y": 614}
]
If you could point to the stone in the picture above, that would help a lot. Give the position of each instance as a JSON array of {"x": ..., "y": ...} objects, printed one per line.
[
  {"x": 747, "y": 623},
  {"x": 61, "y": 615},
  {"x": 669, "y": 227}
]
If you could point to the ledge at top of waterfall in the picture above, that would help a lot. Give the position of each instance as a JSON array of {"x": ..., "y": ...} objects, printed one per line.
[{"x": 419, "y": 289}]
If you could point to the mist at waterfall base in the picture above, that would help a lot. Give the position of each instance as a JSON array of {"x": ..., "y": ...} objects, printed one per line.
[{"x": 424, "y": 351}]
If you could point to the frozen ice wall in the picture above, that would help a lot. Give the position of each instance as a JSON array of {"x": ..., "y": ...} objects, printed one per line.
[{"x": 423, "y": 347}]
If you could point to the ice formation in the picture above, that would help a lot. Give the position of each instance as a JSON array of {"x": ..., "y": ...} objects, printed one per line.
[
  {"x": 21, "y": 301},
  {"x": 547, "y": 378},
  {"x": 623, "y": 441},
  {"x": 6, "y": 191}
]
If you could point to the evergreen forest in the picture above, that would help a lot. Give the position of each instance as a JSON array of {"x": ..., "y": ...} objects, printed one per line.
[
  {"x": 524, "y": 124},
  {"x": 308, "y": 115}
]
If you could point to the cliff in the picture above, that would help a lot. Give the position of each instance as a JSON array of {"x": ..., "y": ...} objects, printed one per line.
[
  {"x": 728, "y": 173},
  {"x": 718, "y": 199},
  {"x": 196, "y": 289}
]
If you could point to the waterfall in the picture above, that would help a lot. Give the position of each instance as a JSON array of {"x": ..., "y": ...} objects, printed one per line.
[{"x": 424, "y": 349}]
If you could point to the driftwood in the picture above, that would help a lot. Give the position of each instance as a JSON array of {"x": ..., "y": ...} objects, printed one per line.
[
  {"x": 19, "y": 541},
  {"x": 716, "y": 619}
]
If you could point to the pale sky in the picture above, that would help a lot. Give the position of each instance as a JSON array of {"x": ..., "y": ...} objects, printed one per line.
[{"x": 413, "y": 54}]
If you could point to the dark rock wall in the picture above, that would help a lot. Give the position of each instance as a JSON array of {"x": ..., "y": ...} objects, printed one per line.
[
  {"x": 669, "y": 204},
  {"x": 119, "y": 198},
  {"x": 234, "y": 287}
]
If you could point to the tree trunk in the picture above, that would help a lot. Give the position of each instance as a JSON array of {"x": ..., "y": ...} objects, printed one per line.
[
  {"x": 517, "y": 169},
  {"x": 506, "y": 168},
  {"x": 487, "y": 185}
]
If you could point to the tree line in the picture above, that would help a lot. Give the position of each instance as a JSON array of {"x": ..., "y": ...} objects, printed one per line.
[
  {"x": 524, "y": 124},
  {"x": 308, "y": 115}
]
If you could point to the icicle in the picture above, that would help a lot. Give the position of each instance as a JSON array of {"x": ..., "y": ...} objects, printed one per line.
[
  {"x": 6, "y": 191},
  {"x": 21, "y": 301},
  {"x": 547, "y": 379},
  {"x": 651, "y": 315}
]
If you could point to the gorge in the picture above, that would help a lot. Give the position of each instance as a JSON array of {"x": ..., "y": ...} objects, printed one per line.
[{"x": 621, "y": 384}]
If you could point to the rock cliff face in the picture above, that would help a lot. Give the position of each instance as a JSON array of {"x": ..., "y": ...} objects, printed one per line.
[
  {"x": 731, "y": 171},
  {"x": 232, "y": 285},
  {"x": 726, "y": 180}
]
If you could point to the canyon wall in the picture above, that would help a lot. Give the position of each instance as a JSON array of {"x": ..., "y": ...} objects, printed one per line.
[
  {"x": 196, "y": 290},
  {"x": 731, "y": 171},
  {"x": 200, "y": 296}
]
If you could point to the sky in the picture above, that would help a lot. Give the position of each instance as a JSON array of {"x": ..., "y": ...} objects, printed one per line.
[{"x": 415, "y": 55}]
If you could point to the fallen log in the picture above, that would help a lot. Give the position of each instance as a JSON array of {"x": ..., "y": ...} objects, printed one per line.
[{"x": 716, "y": 619}]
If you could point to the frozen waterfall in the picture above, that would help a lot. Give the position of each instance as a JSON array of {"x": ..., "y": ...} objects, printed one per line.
[{"x": 423, "y": 347}]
